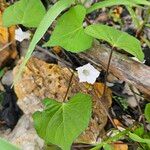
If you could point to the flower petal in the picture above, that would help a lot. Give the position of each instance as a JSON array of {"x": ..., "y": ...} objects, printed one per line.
[
  {"x": 20, "y": 35},
  {"x": 87, "y": 73}
]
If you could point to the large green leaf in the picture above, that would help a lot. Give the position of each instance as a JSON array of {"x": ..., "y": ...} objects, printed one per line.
[
  {"x": 69, "y": 32},
  {"x": 50, "y": 16},
  {"x": 62, "y": 123},
  {"x": 26, "y": 12},
  {"x": 116, "y": 38},
  {"x": 147, "y": 112},
  {"x": 108, "y": 3},
  {"x": 4, "y": 145}
]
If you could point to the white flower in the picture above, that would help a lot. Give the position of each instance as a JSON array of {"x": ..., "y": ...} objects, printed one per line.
[
  {"x": 20, "y": 35},
  {"x": 87, "y": 73}
]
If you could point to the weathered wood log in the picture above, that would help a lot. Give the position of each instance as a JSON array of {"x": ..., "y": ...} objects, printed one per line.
[{"x": 123, "y": 67}]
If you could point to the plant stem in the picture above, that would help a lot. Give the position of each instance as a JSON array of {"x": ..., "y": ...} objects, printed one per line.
[
  {"x": 69, "y": 85},
  {"x": 107, "y": 70},
  {"x": 105, "y": 87}
]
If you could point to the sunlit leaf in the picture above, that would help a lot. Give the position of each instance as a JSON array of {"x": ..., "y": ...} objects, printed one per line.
[
  {"x": 69, "y": 32},
  {"x": 116, "y": 38},
  {"x": 61, "y": 123},
  {"x": 24, "y": 12}
]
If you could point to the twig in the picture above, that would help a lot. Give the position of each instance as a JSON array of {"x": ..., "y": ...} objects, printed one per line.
[
  {"x": 52, "y": 55},
  {"x": 82, "y": 145},
  {"x": 5, "y": 46},
  {"x": 88, "y": 21}
]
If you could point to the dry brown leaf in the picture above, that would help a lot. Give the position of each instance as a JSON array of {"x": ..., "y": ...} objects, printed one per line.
[
  {"x": 117, "y": 11},
  {"x": 120, "y": 146},
  {"x": 57, "y": 49},
  {"x": 3, "y": 32},
  {"x": 117, "y": 122},
  {"x": 7, "y": 36},
  {"x": 99, "y": 88}
]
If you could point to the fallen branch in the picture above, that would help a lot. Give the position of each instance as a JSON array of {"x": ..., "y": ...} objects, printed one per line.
[{"x": 123, "y": 67}]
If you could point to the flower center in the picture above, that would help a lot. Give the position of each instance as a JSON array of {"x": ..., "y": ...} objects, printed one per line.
[{"x": 86, "y": 72}]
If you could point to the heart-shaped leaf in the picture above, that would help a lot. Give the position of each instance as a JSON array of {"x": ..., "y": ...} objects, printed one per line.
[
  {"x": 62, "y": 123},
  {"x": 26, "y": 12},
  {"x": 69, "y": 32},
  {"x": 116, "y": 38}
]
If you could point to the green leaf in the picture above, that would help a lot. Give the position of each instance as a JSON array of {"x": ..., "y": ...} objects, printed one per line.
[
  {"x": 109, "y": 3},
  {"x": 1, "y": 72},
  {"x": 107, "y": 147},
  {"x": 147, "y": 25},
  {"x": 147, "y": 112},
  {"x": 139, "y": 131},
  {"x": 26, "y": 12},
  {"x": 136, "y": 138},
  {"x": 61, "y": 123},
  {"x": 47, "y": 20},
  {"x": 115, "y": 138},
  {"x": 116, "y": 38},
  {"x": 7, "y": 146},
  {"x": 69, "y": 32}
]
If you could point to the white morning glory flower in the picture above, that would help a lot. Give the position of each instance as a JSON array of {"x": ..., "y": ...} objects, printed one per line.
[
  {"x": 20, "y": 35},
  {"x": 87, "y": 73}
]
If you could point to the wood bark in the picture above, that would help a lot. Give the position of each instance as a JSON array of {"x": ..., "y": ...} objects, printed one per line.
[{"x": 122, "y": 66}]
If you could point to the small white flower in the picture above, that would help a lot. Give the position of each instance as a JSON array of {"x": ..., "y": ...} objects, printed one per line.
[
  {"x": 20, "y": 35},
  {"x": 87, "y": 73}
]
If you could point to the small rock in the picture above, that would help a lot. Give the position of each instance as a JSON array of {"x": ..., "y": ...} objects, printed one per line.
[
  {"x": 25, "y": 136},
  {"x": 128, "y": 120},
  {"x": 8, "y": 78},
  {"x": 24, "y": 47},
  {"x": 131, "y": 99},
  {"x": 1, "y": 87},
  {"x": 148, "y": 127}
]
